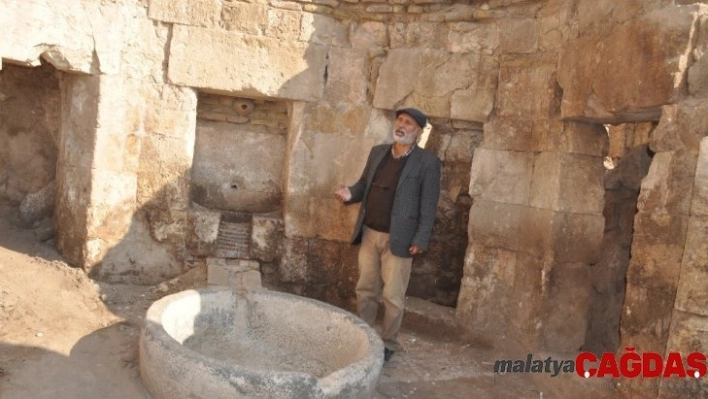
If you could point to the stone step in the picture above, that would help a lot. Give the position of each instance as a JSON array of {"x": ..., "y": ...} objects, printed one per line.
[{"x": 430, "y": 318}]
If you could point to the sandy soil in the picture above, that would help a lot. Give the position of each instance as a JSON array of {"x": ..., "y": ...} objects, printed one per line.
[{"x": 63, "y": 335}]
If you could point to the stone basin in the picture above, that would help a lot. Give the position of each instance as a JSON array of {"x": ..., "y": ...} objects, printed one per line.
[{"x": 221, "y": 343}]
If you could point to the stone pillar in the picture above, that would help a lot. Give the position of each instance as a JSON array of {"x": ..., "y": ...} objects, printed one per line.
[
  {"x": 536, "y": 224},
  {"x": 665, "y": 304},
  {"x": 96, "y": 173},
  {"x": 689, "y": 322},
  {"x": 77, "y": 133}
]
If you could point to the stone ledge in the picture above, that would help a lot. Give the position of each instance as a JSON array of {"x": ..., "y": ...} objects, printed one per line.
[{"x": 430, "y": 318}]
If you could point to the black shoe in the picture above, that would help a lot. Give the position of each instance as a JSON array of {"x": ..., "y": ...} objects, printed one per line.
[{"x": 388, "y": 354}]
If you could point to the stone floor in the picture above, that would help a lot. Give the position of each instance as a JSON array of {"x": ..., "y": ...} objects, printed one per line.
[
  {"x": 435, "y": 364},
  {"x": 62, "y": 336}
]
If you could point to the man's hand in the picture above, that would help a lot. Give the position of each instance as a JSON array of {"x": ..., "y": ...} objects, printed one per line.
[
  {"x": 343, "y": 194},
  {"x": 414, "y": 250}
]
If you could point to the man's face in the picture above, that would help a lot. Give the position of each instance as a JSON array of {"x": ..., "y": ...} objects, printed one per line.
[{"x": 405, "y": 129}]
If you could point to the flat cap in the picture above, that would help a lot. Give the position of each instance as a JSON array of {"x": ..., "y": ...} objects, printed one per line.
[{"x": 415, "y": 114}]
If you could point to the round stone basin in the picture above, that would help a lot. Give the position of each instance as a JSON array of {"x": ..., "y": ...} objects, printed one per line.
[{"x": 220, "y": 343}]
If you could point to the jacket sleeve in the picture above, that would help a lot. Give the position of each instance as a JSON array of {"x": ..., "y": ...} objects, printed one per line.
[{"x": 429, "y": 195}]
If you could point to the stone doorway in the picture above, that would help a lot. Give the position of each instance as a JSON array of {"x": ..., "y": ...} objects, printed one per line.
[
  {"x": 626, "y": 164},
  {"x": 436, "y": 277},
  {"x": 30, "y": 120}
]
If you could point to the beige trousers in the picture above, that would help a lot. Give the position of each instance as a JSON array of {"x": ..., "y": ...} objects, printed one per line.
[{"x": 379, "y": 268}]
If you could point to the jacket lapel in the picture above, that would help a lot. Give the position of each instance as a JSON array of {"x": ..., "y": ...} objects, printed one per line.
[
  {"x": 410, "y": 164},
  {"x": 376, "y": 160}
]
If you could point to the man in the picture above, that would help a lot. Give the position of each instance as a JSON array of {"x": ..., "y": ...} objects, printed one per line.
[{"x": 398, "y": 191}]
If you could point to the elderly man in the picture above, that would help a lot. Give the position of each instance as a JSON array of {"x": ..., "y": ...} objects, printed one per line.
[{"x": 398, "y": 191}]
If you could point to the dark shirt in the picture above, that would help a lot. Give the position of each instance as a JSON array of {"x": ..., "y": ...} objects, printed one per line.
[{"x": 383, "y": 189}]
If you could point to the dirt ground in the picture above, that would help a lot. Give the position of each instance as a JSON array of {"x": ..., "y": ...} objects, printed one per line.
[{"x": 63, "y": 335}]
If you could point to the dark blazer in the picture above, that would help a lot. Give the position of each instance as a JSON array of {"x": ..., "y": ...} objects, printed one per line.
[{"x": 415, "y": 201}]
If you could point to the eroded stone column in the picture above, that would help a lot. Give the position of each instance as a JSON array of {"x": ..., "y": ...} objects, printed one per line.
[
  {"x": 536, "y": 225},
  {"x": 76, "y": 142},
  {"x": 665, "y": 302}
]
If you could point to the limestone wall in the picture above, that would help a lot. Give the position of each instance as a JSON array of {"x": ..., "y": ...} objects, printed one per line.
[{"x": 189, "y": 125}]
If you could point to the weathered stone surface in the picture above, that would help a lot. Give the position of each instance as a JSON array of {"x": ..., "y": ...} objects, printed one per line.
[
  {"x": 458, "y": 146},
  {"x": 518, "y": 35},
  {"x": 202, "y": 231},
  {"x": 369, "y": 35},
  {"x": 547, "y": 135},
  {"x": 524, "y": 77},
  {"x": 323, "y": 30},
  {"x": 112, "y": 203},
  {"x": 158, "y": 261},
  {"x": 569, "y": 284},
  {"x": 626, "y": 137},
  {"x": 560, "y": 238},
  {"x": 266, "y": 237},
  {"x": 250, "y": 18},
  {"x": 681, "y": 128},
  {"x": 688, "y": 335},
  {"x": 193, "y": 12},
  {"x": 293, "y": 267},
  {"x": 333, "y": 273},
  {"x": 501, "y": 176},
  {"x": 475, "y": 104},
  {"x": 238, "y": 167},
  {"x": 646, "y": 319},
  {"x": 283, "y": 24},
  {"x": 554, "y": 27},
  {"x": 429, "y": 78},
  {"x": 691, "y": 295},
  {"x": 699, "y": 203},
  {"x": 415, "y": 34},
  {"x": 325, "y": 218},
  {"x": 569, "y": 137},
  {"x": 488, "y": 282},
  {"x": 668, "y": 187},
  {"x": 698, "y": 71},
  {"x": 495, "y": 224},
  {"x": 75, "y": 158},
  {"x": 143, "y": 56},
  {"x": 657, "y": 250},
  {"x": 307, "y": 176},
  {"x": 73, "y": 36},
  {"x": 567, "y": 183},
  {"x": 467, "y": 37},
  {"x": 289, "y": 70},
  {"x": 348, "y": 78},
  {"x": 235, "y": 273},
  {"x": 509, "y": 134},
  {"x": 594, "y": 81},
  {"x": 38, "y": 205}
]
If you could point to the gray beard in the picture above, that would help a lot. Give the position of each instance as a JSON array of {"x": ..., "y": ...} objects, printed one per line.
[{"x": 407, "y": 139}]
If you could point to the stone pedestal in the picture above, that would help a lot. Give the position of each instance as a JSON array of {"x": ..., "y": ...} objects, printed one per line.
[{"x": 235, "y": 273}]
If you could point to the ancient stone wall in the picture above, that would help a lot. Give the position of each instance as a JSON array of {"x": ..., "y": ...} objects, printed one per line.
[
  {"x": 195, "y": 131},
  {"x": 664, "y": 44}
]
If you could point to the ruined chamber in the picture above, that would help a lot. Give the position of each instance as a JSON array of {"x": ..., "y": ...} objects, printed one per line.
[{"x": 223, "y": 343}]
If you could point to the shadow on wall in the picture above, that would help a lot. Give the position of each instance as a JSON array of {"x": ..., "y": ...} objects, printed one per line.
[{"x": 152, "y": 249}]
